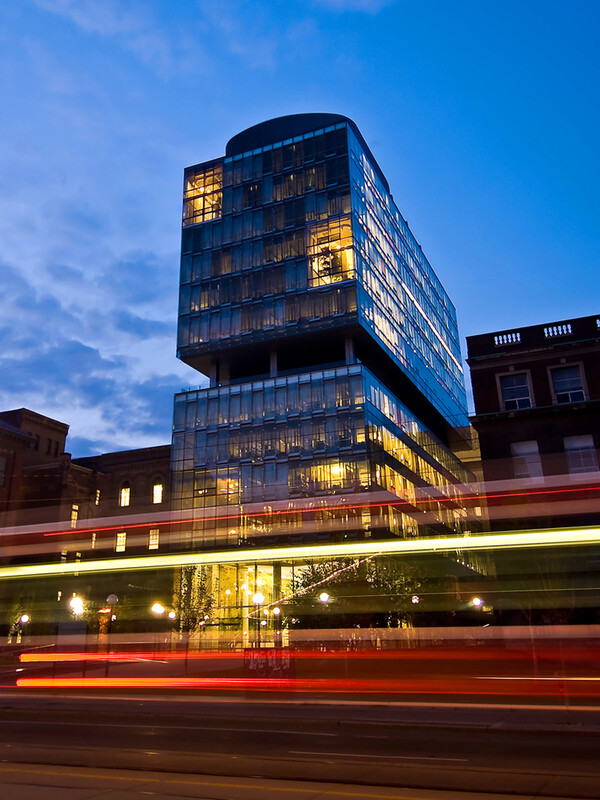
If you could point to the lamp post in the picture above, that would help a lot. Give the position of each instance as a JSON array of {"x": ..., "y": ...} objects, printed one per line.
[
  {"x": 76, "y": 605},
  {"x": 277, "y": 625},
  {"x": 112, "y": 601},
  {"x": 23, "y": 620}
]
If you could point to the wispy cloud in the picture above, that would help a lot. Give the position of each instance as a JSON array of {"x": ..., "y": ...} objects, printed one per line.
[
  {"x": 108, "y": 18},
  {"x": 86, "y": 358},
  {"x": 133, "y": 24}
]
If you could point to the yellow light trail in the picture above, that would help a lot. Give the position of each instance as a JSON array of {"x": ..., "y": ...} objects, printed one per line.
[{"x": 557, "y": 537}]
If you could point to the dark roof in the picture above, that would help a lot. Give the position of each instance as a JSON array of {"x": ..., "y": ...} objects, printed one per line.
[
  {"x": 281, "y": 128},
  {"x": 7, "y": 428},
  {"x": 18, "y": 416},
  {"x": 106, "y": 460}
]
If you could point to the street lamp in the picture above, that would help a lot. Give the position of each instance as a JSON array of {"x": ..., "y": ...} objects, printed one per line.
[
  {"x": 158, "y": 609},
  {"x": 277, "y": 622},
  {"x": 324, "y": 597},
  {"x": 76, "y": 604},
  {"x": 24, "y": 619},
  {"x": 111, "y": 601},
  {"x": 477, "y": 602}
]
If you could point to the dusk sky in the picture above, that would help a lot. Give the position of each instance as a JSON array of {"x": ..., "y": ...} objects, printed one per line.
[{"x": 484, "y": 117}]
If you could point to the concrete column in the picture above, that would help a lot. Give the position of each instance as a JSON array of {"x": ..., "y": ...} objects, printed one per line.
[
  {"x": 223, "y": 371},
  {"x": 276, "y": 582},
  {"x": 350, "y": 357}
]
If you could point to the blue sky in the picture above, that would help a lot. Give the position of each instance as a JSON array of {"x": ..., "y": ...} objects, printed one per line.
[{"x": 484, "y": 117}]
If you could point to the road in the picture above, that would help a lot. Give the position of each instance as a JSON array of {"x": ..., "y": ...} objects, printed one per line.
[
  {"x": 530, "y": 751},
  {"x": 73, "y": 783}
]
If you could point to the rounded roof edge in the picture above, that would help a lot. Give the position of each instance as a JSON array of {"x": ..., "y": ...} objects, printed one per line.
[{"x": 287, "y": 127}]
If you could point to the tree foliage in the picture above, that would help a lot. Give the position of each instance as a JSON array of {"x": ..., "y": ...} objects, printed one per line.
[
  {"x": 373, "y": 591},
  {"x": 193, "y": 598}
]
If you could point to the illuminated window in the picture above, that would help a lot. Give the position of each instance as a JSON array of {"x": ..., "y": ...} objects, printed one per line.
[
  {"x": 125, "y": 495},
  {"x": 330, "y": 254},
  {"x": 515, "y": 391},
  {"x": 228, "y": 486},
  {"x": 157, "y": 493},
  {"x": 97, "y": 501},
  {"x": 581, "y": 454},
  {"x": 526, "y": 459},
  {"x": 203, "y": 195},
  {"x": 333, "y": 475},
  {"x": 567, "y": 384},
  {"x": 74, "y": 515},
  {"x": 153, "y": 539},
  {"x": 121, "y": 542},
  {"x": 2, "y": 470}
]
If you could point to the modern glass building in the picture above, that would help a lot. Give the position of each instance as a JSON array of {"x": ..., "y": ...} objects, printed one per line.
[{"x": 331, "y": 347}]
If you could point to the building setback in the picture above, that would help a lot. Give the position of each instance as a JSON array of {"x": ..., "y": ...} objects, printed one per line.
[{"x": 331, "y": 348}]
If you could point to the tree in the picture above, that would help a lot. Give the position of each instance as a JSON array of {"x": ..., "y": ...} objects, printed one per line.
[
  {"x": 193, "y": 598},
  {"x": 372, "y": 592}
]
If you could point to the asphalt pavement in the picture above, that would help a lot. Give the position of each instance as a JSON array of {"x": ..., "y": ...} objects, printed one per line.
[
  {"x": 73, "y": 783},
  {"x": 528, "y": 751}
]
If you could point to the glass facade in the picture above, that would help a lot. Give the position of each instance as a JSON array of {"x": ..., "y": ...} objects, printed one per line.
[
  {"x": 280, "y": 226},
  {"x": 322, "y": 434},
  {"x": 306, "y": 299},
  {"x": 306, "y": 214},
  {"x": 400, "y": 298}
]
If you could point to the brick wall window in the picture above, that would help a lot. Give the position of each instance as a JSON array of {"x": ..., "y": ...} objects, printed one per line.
[
  {"x": 526, "y": 459},
  {"x": 567, "y": 384},
  {"x": 514, "y": 391},
  {"x": 581, "y": 454}
]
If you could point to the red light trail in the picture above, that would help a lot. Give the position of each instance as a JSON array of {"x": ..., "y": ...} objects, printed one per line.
[
  {"x": 493, "y": 686},
  {"x": 339, "y": 507}
]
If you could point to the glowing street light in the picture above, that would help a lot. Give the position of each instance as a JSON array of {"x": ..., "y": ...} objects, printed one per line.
[
  {"x": 24, "y": 619},
  {"x": 76, "y": 604},
  {"x": 415, "y": 599},
  {"x": 324, "y": 597},
  {"x": 172, "y": 615},
  {"x": 477, "y": 602},
  {"x": 277, "y": 611},
  {"x": 158, "y": 609},
  {"x": 258, "y": 598}
]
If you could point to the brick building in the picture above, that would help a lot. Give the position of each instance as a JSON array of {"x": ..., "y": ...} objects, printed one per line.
[{"x": 537, "y": 404}]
